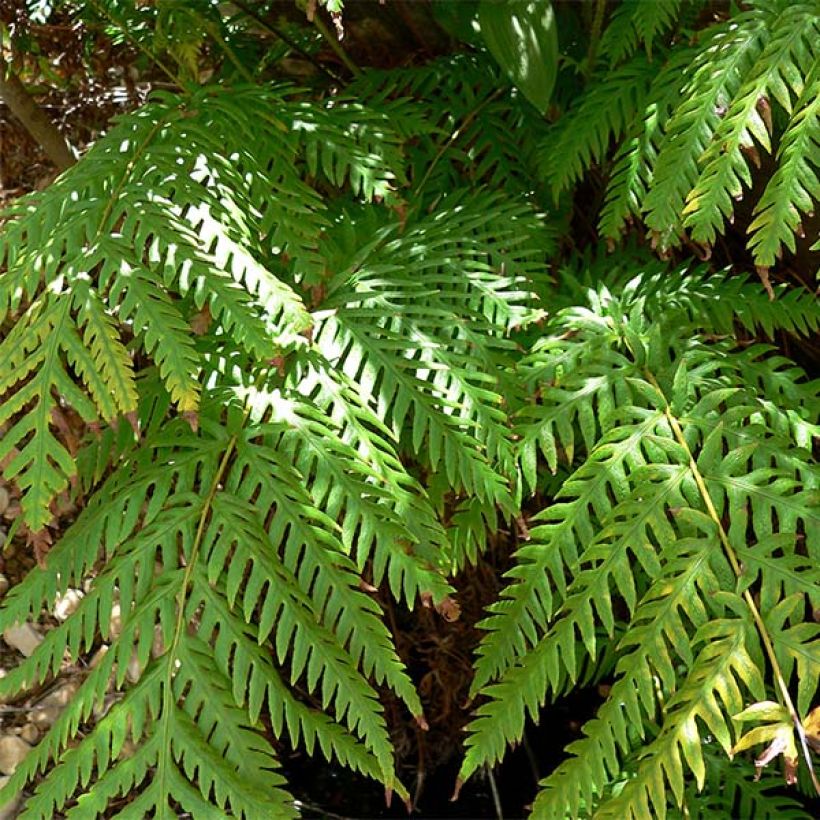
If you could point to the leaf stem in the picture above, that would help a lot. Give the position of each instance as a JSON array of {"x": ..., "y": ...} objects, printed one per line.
[
  {"x": 336, "y": 46},
  {"x": 270, "y": 28},
  {"x": 594, "y": 38},
  {"x": 457, "y": 133}
]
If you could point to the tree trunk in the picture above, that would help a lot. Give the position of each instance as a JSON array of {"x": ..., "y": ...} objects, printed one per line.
[{"x": 14, "y": 94}]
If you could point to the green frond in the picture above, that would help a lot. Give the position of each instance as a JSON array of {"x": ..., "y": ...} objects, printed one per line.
[
  {"x": 312, "y": 553},
  {"x": 657, "y": 641},
  {"x": 528, "y": 602},
  {"x": 284, "y": 572},
  {"x": 723, "y": 676},
  {"x": 635, "y": 24},
  {"x": 604, "y": 568},
  {"x": 110, "y": 357},
  {"x": 794, "y": 188},
  {"x": 258, "y": 684},
  {"x": 376, "y": 482},
  {"x": 368, "y": 504},
  {"x": 634, "y": 161},
  {"x": 796, "y": 642},
  {"x": 170, "y": 213},
  {"x": 472, "y": 134},
  {"x": 775, "y": 75},
  {"x": 35, "y": 358},
  {"x": 724, "y": 60},
  {"x": 714, "y": 301},
  {"x": 693, "y": 441},
  {"x": 435, "y": 346},
  {"x": 349, "y": 144},
  {"x": 604, "y": 113},
  {"x": 729, "y": 793}
]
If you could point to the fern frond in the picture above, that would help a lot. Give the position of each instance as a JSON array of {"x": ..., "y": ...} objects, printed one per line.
[
  {"x": 716, "y": 74},
  {"x": 796, "y": 643},
  {"x": 539, "y": 577},
  {"x": 169, "y": 213},
  {"x": 713, "y": 301},
  {"x": 412, "y": 570},
  {"x": 790, "y": 44},
  {"x": 43, "y": 343},
  {"x": 348, "y": 143},
  {"x": 658, "y": 640},
  {"x": 604, "y": 113},
  {"x": 434, "y": 346},
  {"x": 472, "y": 134},
  {"x": 686, "y": 448},
  {"x": 722, "y": 672},
  {"x": 287, "y": 573},
  {"x": 794, "y": 188},
  {"x": 634, "y": 161},
  {"x": 636, "y": 24},
  {"x": 730, "y": 793}
]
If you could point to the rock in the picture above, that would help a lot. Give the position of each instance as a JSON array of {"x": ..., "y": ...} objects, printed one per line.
[
  {"x": 11, "y": 808},
  {"x": 115, "y": 622},
  {"x": 4, "y": 582},
  {"x": 49, "y": 708},
  {"x": 4, "y": 500},
  {"x": 30, "y": 733},
  {"x": 133, "y": 671},
  {"x": 13, "y": 751},
  {"x": 23, "y": 637},
  {"x": 43, "y": 717},
  {"x": 98, "y": 656},
  {"x": 66, "y": 604}
]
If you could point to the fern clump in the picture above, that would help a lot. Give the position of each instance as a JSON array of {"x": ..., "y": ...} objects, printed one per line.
[
  {"x": 259, "y": 477},
  {"x": 329, "y": 345}
]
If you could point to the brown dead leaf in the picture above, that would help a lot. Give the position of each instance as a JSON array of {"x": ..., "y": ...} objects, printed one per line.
[
  {"x": 192, "y": 417},
  {"x": 279, "y": 363},
  {"x": 201, "y": 321},
  {"x": 40, "y": 542},
  {"x": 449, "y": 609},
  {"x": 763, "y": 273},
  {"x": 70, "y": 427}
]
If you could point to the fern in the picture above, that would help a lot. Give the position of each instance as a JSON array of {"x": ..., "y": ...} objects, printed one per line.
[
  {"x": 235, "y": 537},
  {"x": 466, "y": 131},
  {"x": 634, "y": 160},
  {"x": 691, "y": 122},
  {"x": 775, "y": 75},
  {"x": 634, "y": 24},
  {"x": 794, "y": 188},
  {"x": 675, "y": 448},
  {"x": 325, "y": 342},
  {"x": 603, "y": 114},
  {"x": 730, "y": 794}
]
